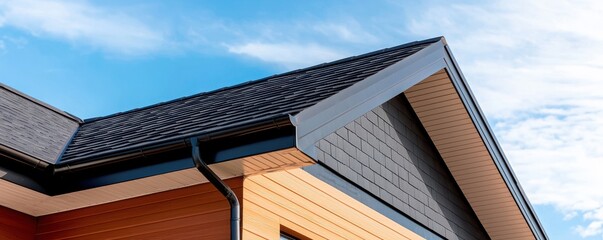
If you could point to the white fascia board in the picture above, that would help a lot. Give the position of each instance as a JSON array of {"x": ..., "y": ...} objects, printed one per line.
[
  {"x": 318, "y": 121},
  {"x": 487, "y": 135}
]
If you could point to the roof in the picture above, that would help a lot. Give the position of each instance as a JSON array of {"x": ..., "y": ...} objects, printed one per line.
[
  {"x": 272, "y": 97},
  {"x": 131, "y": 147},
  {"x": 441, "y": 98},
  {"x": 31, "y": 128}
]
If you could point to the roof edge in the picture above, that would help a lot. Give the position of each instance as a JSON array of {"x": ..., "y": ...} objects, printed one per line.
[
  {"x": 351, "y": 58},
  {"x": 323, "y": 118},
  {"x": 233, "y": 142},
  {"x": 494, "y": 147},
  {"x": 206, "y": 135},
  {"x": 41, "y": 103},
  {"x": 23, "y": 158}
]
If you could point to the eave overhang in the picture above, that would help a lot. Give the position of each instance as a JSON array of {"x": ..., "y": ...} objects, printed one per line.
[
  {"x": 505, "y": 215},
  {"x": 252, "y": 148},
  {"x": 36, "y": 204}
]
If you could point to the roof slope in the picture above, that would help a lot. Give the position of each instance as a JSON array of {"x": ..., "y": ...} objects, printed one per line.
[
  {"x": 271, "y": 97},
  {"x": 31, "y": 128}
]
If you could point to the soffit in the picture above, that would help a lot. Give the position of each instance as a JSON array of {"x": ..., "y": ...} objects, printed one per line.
[
  {"x": 37, "y": 204},
  {"x": 445, "y": 118}
]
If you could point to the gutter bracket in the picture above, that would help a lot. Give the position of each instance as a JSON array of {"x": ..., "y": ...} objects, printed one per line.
[{"x": 235, "y": 209}]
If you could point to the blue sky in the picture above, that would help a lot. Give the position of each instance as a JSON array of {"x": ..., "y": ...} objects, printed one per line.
[{"x": 534, "y": 66}]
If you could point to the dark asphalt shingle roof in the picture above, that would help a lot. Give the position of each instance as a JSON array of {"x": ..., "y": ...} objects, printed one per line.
[
  {"x": 271, "y": 97},
  {"x": 33, "y": 128}
]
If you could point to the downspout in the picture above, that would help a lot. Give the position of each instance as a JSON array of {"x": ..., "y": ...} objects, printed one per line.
[{"x": 235, "y": 211}]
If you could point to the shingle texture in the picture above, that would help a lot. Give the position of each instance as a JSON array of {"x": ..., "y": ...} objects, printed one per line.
[
  {"x": 32, "y": 128},
  {"x": 274, "y": 96},
  {"x": 388, "y": 153}
]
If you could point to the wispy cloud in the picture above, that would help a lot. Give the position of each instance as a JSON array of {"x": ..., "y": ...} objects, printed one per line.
[
  {"x": 535, "y": 67},
  {"x": 82, "y": 23},
  {"x": 294, "y": 44},
  {"x": 592, "y": 229},
  {"x": 291, "y": 43},
  {"x": 289, "y": 55},
  {"x": 347, "y": 31}
]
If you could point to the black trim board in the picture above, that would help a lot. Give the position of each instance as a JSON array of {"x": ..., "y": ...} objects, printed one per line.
[
  {"x": 22, "y": 174},
  {"x": 145, "y": 165}
]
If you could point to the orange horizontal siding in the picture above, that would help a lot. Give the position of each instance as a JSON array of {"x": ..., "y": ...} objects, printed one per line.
[
  {"x": 193, "y": 212},
  {"x": 16, "y": 225}
]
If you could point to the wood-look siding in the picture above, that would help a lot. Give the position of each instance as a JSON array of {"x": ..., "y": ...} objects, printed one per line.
[
  {"x": 16, "y": 225},
  {"x": 196, "y": 212},
  {"x": 306, "y": 207},
  {"x": 442, "y": 113}
]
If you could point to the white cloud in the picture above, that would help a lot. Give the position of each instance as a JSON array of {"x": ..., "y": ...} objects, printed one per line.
[
  {"x": 536, "y": 68},
  {"x": 348, "y": 31},
  {"x": 594, "y": 228},
  {"x": 289, "y": 55},
  {"x": 82, "y": 24},
  {"x": 19, "y": 42},
  {"x": 288, "y": 43}
]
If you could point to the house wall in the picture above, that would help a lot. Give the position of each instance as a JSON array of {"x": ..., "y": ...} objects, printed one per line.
[
  {"x": 16, "y": 225},
  {"x": 193, "y": 212},
  {"x": 297, "y": 203},
  {"x": 388, "y": 153}
]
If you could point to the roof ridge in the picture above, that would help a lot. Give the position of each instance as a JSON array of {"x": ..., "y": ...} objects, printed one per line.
[
  {"x": 321, "y": 65},
  {"x": 41, "y": 103}
]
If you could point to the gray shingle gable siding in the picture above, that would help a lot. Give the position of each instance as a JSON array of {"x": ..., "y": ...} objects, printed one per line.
[
  {"x": 387, "y": 152},
  {"x": 274, "y": 96}
]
